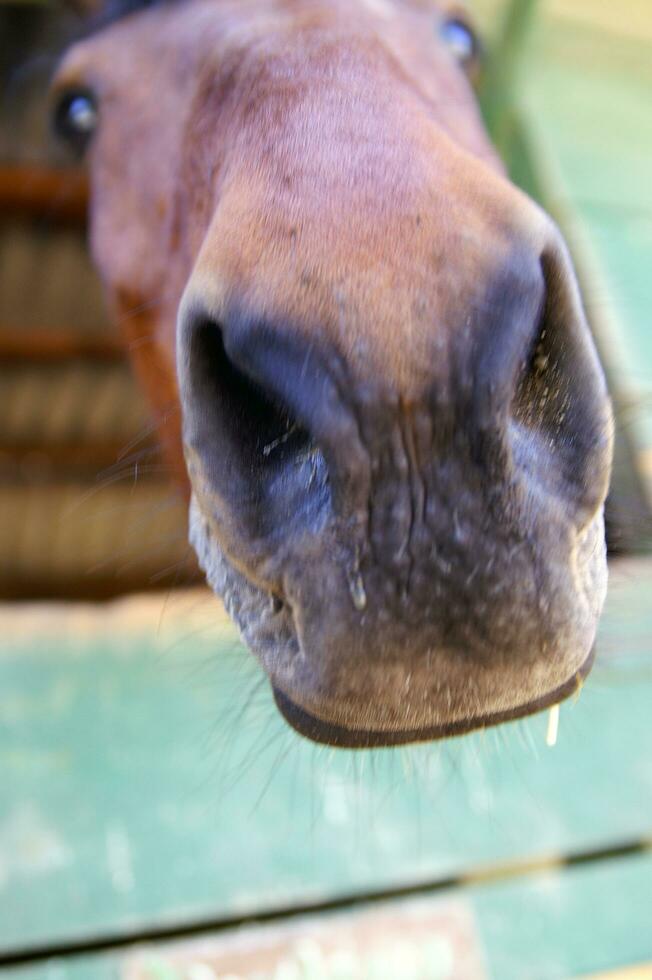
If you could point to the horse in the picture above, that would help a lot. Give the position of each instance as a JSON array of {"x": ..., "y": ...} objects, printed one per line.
[{"x": 365, "y": 348}]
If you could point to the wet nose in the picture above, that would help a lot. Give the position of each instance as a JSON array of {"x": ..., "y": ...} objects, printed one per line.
[
  {"x": 285, "y": 431},
  {"x": 409, "y": 552}
]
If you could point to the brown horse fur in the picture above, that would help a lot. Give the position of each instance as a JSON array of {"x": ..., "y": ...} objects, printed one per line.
[{"x": 395, "y": 424}]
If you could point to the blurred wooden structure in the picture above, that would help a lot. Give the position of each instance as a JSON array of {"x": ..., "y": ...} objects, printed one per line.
[{"x": 86, "y": 505}]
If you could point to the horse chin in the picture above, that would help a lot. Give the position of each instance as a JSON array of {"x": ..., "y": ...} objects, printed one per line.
[
  {"x": 340, "y": 736},
  {"x": 463, "y": 694}
]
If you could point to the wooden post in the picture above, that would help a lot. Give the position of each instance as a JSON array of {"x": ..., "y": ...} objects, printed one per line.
[{"x": 500, "y": 81}]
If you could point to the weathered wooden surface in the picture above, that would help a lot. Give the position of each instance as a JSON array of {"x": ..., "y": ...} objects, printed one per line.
[{"x": 551, "y": 925}]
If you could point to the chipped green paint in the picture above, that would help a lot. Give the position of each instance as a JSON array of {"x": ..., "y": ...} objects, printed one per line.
[{"x": 547, "y": 926}]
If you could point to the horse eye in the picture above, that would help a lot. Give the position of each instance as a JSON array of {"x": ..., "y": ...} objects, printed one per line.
[
  {"x": 461, "y": 40},
  {"x": 75, "y": 118}
]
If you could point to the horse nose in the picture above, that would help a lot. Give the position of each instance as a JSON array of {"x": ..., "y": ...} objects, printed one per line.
[
  {"x": 287, "y": 434},
  {"x": 406, "y": 541}
]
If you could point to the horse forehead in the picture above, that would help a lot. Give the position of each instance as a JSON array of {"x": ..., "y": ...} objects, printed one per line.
[
  {"x": 197, "y": 28},
  {"x": 192, "y": 48}
]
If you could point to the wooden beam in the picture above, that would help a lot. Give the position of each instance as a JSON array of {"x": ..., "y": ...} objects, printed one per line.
[
  {"x": 59, "y": 462},
  {"x": 59, "y": 344},
  {"x": 58, "y": 195},
  {"x": 97, "y": 586}
]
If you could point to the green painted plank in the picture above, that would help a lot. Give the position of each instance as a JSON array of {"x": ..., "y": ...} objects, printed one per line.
[
  {"x": 554, "y": 925},
  {"x": 568, "y": 923},
  {"x": 146, "y": 778}
]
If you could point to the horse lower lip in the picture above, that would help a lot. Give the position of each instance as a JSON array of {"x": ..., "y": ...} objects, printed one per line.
[{"x": 339, "y": 736}]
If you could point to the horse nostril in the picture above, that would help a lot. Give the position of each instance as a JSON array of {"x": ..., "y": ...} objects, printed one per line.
[
  {"x": 541, "y": 407},
  {"x": 255, "y": 453},
  {"x": 263, "y": 432},
  {"x": 539, "y": 394},
  {"x": 560, "y": 412}
]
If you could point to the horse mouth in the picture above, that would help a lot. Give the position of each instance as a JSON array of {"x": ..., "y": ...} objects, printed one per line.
[
  {"x": 352, "y": 679},
  {"x": 337, "y": 735}
]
